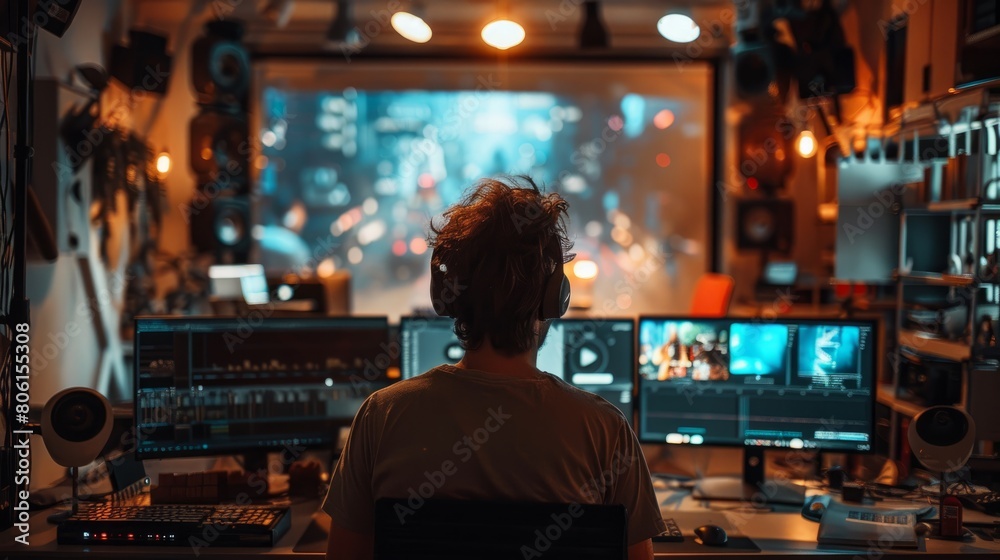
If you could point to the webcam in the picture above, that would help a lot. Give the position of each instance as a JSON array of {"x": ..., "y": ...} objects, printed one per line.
[
  {"x": 76, "y": 424},
  {"x": 942, "y": 438}
]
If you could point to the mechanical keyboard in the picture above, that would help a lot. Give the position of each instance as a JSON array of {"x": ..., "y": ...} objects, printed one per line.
[
  {"x": 988, "y": 503},
  {"x": 183, "y": 525}
]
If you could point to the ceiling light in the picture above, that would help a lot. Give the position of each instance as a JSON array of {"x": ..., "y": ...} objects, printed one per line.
[
  {"x": 342, "y": 29},
  {"x": 678, "y": 28},
  {"x": 593, "y": 34},
  {"x": 411, "y": 27},
  {"x": 503, "y": 34}
]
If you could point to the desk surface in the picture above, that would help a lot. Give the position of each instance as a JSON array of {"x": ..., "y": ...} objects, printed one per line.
[{"x": 777, "y": 533}]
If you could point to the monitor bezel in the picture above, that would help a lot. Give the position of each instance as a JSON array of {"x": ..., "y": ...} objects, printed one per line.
[
  {"x": 326, "y": 444},
  {"x": 874, "y": 322}
]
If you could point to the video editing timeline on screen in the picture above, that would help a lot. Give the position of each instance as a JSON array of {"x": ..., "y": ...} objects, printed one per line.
[
  {"x": 593, "y": 354},
  {"x": 211, "y": 386},
  {"x": 801, "y": 384}
]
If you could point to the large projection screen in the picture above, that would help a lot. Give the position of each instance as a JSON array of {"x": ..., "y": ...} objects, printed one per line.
[{"x": 356, "y": 159}]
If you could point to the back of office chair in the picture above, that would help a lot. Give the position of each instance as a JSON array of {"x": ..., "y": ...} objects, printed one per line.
[
  {"x": 712, "y": 294},
  {"x": 452, "y": 529}
]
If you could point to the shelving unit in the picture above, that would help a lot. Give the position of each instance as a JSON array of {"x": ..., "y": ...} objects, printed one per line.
[{"x": 949, "y": 230}]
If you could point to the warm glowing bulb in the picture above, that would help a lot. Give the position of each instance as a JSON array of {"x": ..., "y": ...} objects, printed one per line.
[
  {"x": 326, "y": 268},
  {"x": 411, "y": 27},
  {"x": 678, "y": 28},
  {"x": 806, "y": 144},
  {"x": 585, "y": 270},
  {"x": 163, "y": 163},
  {"x": 503, "y": 34}
]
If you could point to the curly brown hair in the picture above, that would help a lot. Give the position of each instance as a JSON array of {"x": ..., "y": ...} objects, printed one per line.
[{"x": 500, "y": 243}]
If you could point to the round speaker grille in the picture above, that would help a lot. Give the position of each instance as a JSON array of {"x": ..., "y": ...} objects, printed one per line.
[
  {"x": 943, "y": 427},
  {"x": 78, "y": 416},
  {"x": 230, "y": 227},
  {"x": 230, "y": 68},
  {"x": 759, "y": 225}
]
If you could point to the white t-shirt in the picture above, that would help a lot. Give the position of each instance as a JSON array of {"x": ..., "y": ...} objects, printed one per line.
[{"x": 454, "y": 433}]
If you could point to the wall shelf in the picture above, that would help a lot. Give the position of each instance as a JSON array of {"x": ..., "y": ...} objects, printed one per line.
[
  {"x": 937, "y": 347},
  {"x": 934, "y": 279},
  {"x": 887, "y": 396}
]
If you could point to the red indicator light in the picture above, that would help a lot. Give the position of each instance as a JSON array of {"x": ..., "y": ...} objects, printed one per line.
[{"x": 752, "y": 183}]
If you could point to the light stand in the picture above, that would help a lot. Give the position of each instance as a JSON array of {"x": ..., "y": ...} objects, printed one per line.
[
  {"x": 60, "y": 516},
  {"x": 19, "y": 312}
]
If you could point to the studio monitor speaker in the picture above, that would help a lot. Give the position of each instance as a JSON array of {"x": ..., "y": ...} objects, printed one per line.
[
  {"x": 220, "y": 64},
  {"x": 765, "y": 223},
  {"x": 55, "y": 16},
  {"x": 143, "y": 65},
  {"x": 220, "y": 148},
  {"x": 221, "y": 225},
  {"x": 76, "y": 424}
]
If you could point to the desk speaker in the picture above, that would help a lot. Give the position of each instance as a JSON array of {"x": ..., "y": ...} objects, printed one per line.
[{"x": 765, "y": 223}]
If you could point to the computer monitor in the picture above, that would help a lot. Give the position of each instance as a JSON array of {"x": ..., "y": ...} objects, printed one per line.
[
  {"x": 240, "y": 282},
  {"x": 794, "y": 384},
  {"x": 222, "y": 385},
  {"x": 427, "y": 342},
  {"x": 596, "y": 355}
]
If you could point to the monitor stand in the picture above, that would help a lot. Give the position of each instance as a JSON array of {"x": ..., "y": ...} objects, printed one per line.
[
  {"x": 256, "y": 462},
  {"x": 753, "y": 488}
]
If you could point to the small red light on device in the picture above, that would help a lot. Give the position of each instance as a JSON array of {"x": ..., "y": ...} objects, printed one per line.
[{"x": 752, "y": 183}]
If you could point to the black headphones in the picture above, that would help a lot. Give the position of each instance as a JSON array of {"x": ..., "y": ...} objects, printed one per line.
[{"x": 446, "y": 289}]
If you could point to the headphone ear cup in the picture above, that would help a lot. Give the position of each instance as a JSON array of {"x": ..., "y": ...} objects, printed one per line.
[
  {"x": 555, "y": 300},
  {"x": 443, "y": 303}
]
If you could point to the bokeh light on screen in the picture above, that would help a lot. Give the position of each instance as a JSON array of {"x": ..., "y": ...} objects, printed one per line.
[
  {"x": 585, "y": 269},
  {"x": 417, "y": 151},
  {"x": 418, "y": 246},
  {"x": 663, "y": 119}
]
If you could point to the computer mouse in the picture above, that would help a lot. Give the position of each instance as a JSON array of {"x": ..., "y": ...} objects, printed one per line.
[{"x": 711, "y": 535}]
